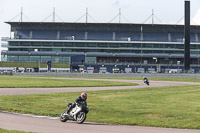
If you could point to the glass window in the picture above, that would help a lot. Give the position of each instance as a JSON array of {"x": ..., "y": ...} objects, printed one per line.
[
  {"x": 68, "y": 44},
  {"x": 169, "y": 52},
  {"x": 156, "y": 46},
  {"x": 147, "y": 51},
  {"x": 25, "y": 44},
  {"x": 114, "y": 45},
  {"x": 115, "y": 51},
  {"x": 47, "y": 44},
  {"x": 124, "y": 45},
  {"x": 79, "y": 50},
  {"x": 91, "y": 45},
  {"x": 158, "y": 51},
  {"x": 4, "y": 58},
  {"x": 56, "y": 50},
  {"x": 79, "y": 45},
  {"x": 45, "y": 58},
  {"x": 125, "y": 51},
  {"x": 67, "y": 50},
  {"x": 57, "y": 59},
  {"x": 34, "y": 58},
  {"x": 193, "y": 46},
  {"x": 13, "y": 58},
  {"x": 58, "y": 44},
  {"x": 14, "y": 49},
  {"x": 23, "y": 58},
  {"x": 135, "y": 51},
  {"x": 198, "y": 46},
  {"x": 108, "y": 51},
  {"x": 36, "y": 44},
  {"x": 169, "y": 46},
  {"x": 45, "y": 49},
  {"x": 23, "y": 49},
  {"x": 161, "y": 45},
  {"x": 147, "y": 45},
  {"x": 180, "y": 46},
  {"x": 66, "y": 59},
  {"x": 137, "y": 45},
  {"x": 178, "y": 52},
  {"x": 90, "y": 59},
  {"x": 13, "y": 43},
  {"x": 102, "y": 45},
  {"x": 92, "y": 50}
]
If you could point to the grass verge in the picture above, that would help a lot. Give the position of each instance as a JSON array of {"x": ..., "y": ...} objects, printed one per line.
[
  {"x": 174, "y": 107},
  {"x": 20, "y": 82},
  {"x": 155, "y": 79},
  {"x": 11, "y": 131},
  {"x": 34, "y": 64},
  {"x": 129, "y": 78}
]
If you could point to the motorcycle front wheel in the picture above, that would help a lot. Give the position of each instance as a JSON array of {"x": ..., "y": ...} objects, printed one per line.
[
  {"x": 81, "y": 116},
  {"x": 63, "y": 118}
]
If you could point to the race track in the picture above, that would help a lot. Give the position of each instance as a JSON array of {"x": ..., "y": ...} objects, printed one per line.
[{"x": 13, "y": 121}]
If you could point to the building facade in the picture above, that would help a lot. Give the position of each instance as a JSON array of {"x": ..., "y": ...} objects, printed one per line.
[{"x": 101, "y": 44}]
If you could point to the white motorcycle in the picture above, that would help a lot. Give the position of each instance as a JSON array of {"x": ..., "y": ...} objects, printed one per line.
[
  {"x": 146, "y": 81},
  {"x": 78, "y": 113}
]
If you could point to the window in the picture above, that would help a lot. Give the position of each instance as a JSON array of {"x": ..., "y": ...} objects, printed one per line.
[
  {"x": 102, "y": 45},
  {"x": 68, "y": 44},
  {"x": 113, "y": 45},
  {"x": 45, "y": 58},
  {"x": 23, "y": 58},
  {"x": 91, "y": 45},
  {"x": 47, "y": 44},
  {"x": 58, "y": 44},
  {"x": 13, "y": 43},
  {"x": 34, "y": 58},
  {"x": 25, "y": 43},
  {"x": 36, "y": 44},
  {"x": 79, "y": 45}
]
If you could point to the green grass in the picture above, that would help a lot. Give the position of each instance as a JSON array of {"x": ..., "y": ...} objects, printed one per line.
[
  {"x": 127, "y": 78},
  {"x": 23, "y": 82},
  {"x": 174, "y": 107},
  {"x": 33, "y": 64},
  {"x": 154, "y": 79},
  {"x": 11, "y": 131}
]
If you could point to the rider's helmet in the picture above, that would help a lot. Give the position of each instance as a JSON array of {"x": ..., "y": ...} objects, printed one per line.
[
  {"x": 144, "y": 77},
  {"x": 84, "y": 96}
]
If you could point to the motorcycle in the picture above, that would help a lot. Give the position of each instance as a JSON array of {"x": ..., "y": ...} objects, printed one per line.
[
  {"x": 78, "y": 113},
  {"x": 146, "y": 81}
]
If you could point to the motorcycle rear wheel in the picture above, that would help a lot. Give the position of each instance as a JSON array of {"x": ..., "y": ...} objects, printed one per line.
[
  {"x": 63, "y": 118},
  {"x": 81, "y": 116}
]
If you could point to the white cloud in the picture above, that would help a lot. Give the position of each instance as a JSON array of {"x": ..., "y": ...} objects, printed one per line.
[
  {"x": 194, "y": 21},
  {"x": 196, "y": 18},
  {"x": 116, "y": 3}
]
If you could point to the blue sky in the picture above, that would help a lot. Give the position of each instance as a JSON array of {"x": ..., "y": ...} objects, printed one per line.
[{"x": 136, "y": 11}]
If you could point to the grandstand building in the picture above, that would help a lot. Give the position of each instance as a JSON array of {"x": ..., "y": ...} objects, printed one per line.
[{"x": 129, "y": 47}]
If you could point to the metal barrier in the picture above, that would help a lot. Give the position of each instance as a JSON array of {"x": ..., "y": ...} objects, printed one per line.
[{"x": 6, "y": 73}]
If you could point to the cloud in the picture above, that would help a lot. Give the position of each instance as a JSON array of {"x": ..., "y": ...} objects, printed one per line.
[
  {"x": 196, "y": 18},
  {"x": 116, "y": 3},
  {"x": 194, "y": 21}
]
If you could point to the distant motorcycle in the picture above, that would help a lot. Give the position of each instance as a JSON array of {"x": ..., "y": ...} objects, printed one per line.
[
  {"x": 146, "y": 81},
  {"x": 78, "y": 113}
]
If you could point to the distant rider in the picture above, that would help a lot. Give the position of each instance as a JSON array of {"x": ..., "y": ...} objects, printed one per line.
[
  {"x": 78, "y": 100},
  {"x": 146, "y": 81},
  {"x": 145, "y": 78}
]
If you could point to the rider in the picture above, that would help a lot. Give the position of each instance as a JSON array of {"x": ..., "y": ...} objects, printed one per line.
[
  {"x": 145, "y": 79},
  {"x": 78, "y": 100}
]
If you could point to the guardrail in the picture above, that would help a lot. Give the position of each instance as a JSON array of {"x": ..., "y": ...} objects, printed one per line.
[{"x": 6, "y": 73}]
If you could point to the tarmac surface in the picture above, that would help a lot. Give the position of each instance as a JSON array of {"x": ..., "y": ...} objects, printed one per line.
[{"x": 43, "y": 124}]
